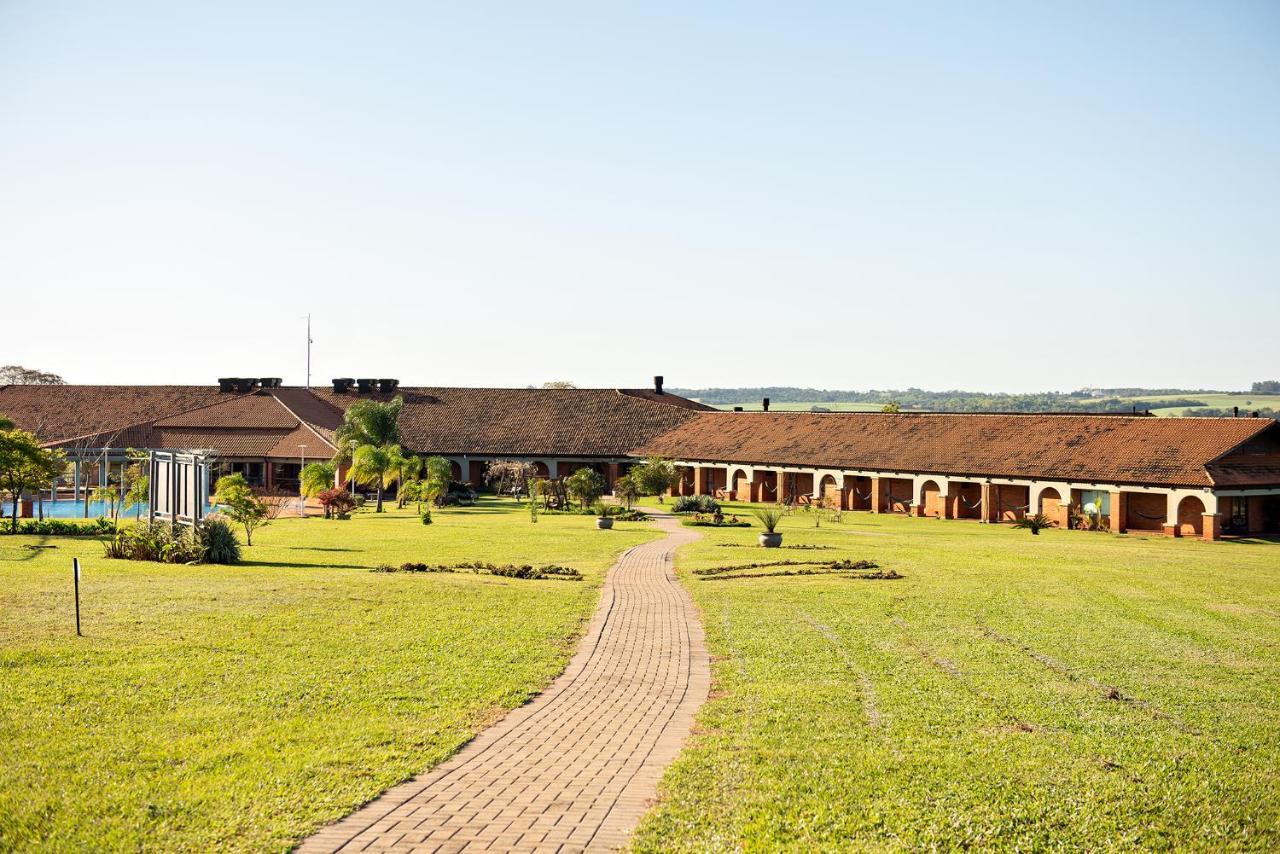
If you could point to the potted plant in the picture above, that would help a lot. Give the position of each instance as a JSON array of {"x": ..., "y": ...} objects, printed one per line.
[
  {"x": 770, "y": 517},
  {"x": 603, "y": 520}
]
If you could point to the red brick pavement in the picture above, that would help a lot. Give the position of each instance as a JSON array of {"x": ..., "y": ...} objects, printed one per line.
[{"x": 574, "y": 769}]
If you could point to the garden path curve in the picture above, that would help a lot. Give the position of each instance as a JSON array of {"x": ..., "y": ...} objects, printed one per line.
[{"x": 574, "y": 769}]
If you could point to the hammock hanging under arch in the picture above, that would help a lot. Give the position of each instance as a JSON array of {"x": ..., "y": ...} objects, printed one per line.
[{"x": 1148, "y": 516}]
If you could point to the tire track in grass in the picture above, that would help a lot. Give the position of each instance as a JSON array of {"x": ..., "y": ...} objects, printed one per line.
[
  {"x": 1109, "y": 692},
  {"x": 952, "y": 670},
  {"x": 870, "y": 704}
]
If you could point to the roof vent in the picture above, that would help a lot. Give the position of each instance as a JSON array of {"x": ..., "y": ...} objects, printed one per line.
[
  {"x": 737, "y": 409},
  {"x": 364, "y": 385},
  {"x": 657, "y": 385},
  {"x": 271, "y": 382},
  {"x": 766, "y": 404},
  {"x": 387, "y": 386},
  {"x": 341, "y": 384},
  {"x": 237, "y": 384},
  {"x": 1235, "y": 412}
]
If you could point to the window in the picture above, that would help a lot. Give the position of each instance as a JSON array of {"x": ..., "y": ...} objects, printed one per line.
[{"x": 1094, "y": 501}]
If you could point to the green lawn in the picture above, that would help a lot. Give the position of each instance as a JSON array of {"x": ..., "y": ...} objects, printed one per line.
[
  {"x": 242, "y": 707},
  {"x": 1069, "y": 690}
]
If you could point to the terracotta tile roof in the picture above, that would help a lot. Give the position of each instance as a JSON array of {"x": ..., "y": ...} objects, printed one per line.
[
  {"x": 1156, "y": 451},
  {"x": 533, "y": 422},
  {"x": 227, "y": 442},
  {"x": 667, "y": 398},
  {"x": 259, "y": 410},
  {"x": 1255, "y": 463},
  {"x": 287, "y": 447},
  {"x": 61, "y": 412}
]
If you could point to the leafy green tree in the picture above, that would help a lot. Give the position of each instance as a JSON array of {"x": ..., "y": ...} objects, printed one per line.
[
  {"x": 110, "y": 498},
  {"x": 654, "y": 477},
  {"x": 377, "y": 466},
  {"x": 241, "y": 504},
  {"x": 26, "y": 466},
  {"x": 891, "y": 406},
  {"x": 586, "y": 485}
]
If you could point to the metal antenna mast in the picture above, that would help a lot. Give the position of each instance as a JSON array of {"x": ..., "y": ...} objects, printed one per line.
[{"x": 308, "y": 350}]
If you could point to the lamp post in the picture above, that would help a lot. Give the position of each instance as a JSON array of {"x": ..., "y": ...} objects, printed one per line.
[{"x": 302, "y": 499}]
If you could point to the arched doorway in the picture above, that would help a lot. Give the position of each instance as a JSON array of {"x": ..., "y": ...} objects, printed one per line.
[
  {"x": 1050, "y": 501},
  {"x": 931, "y": 498},
  {"x": 740, "y": 485},
  {"x": 1191, "y": 517},
  {"x": 540, "y": 469},
  {"x": 455, "y": 471},
  {"x": 829, "y": 492}
]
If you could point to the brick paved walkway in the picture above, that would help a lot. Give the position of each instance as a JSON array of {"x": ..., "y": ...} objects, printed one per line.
[{"x": 575, "y": 768}]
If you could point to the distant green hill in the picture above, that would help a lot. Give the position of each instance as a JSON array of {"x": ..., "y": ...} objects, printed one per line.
[{"x": 1159, "y": 401}]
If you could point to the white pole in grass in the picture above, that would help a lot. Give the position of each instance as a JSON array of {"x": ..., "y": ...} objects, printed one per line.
[{"x": 75, "y": 568}]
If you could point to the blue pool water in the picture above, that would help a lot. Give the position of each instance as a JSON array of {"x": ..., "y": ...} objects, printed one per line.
[{"x": 68, "y": 509}]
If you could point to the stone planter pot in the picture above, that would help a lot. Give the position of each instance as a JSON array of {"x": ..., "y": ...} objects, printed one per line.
[
  {"x": 770, "y": 541},
  {"x": 604, "y": 523}
]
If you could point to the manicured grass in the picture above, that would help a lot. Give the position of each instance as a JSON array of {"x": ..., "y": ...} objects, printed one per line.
[
  {"x": 1067, "y": 690},
  {"x": 243, "y": 707}
]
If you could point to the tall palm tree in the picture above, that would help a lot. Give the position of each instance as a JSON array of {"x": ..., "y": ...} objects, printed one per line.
[
  {"x": 378, "y": 466},
  {"x": 368, "y": 422}
]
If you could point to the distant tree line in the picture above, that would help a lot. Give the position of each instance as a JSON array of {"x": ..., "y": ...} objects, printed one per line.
[{"x": 935, "y": 401}]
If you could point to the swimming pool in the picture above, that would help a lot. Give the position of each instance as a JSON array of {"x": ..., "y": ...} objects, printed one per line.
[{"x": 65, "y": 508}]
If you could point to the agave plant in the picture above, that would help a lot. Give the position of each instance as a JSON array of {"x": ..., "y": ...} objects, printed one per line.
[
  {"x": 1035, "y": 523},
  {"x": 770, "y": 517}
]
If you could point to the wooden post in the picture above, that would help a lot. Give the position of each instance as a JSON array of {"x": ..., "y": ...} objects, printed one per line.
[{"x": 75, "y": 570}]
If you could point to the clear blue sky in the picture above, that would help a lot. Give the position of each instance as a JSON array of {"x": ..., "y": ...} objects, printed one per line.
[{"x": 986, "y": 196}]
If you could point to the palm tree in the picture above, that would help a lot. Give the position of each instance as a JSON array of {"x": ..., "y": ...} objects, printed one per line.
[
  {"x": 377, "y": 466},
  {"x": 368, "y": 422},
  {"x": 316, "y": 478},
  {"x": 410, "y": 472}
]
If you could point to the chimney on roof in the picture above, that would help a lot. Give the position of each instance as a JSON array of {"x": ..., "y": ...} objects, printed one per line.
[
  {"x": 1255, "y": 413},
  {"x": 657, "y": 385},
  {"x": 271, "y": 382},
  {"x": 766, "y": 404},
  {"x": 341, "y": 384},
  {"x": 226, "y": 384},
  {"x": 364, "y": 385},
  {"x": 737, "y": 409},
  {"x": 387, "y": 386},
  {"x": 241, "y": 385},
  {"x": 1235, "y": 412}
]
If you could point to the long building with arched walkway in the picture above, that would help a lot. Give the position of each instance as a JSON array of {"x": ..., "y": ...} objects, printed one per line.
[{"x": 1194, "y": 477}]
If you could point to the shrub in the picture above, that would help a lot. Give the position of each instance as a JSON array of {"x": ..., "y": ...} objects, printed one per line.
[
  {"x": 156, "y": 541},
  {"x": 337, "y": 502},
  {"x": 218, "y": 542},
  {"x": 713, "y": 520},
  {"x": 62, "y": 527},
  {"x": 631, "y": 515},
  {"x": 695, "y": 504},
  {"x": 510, "y": 570},
  {"x": 426, "y": 517}
]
